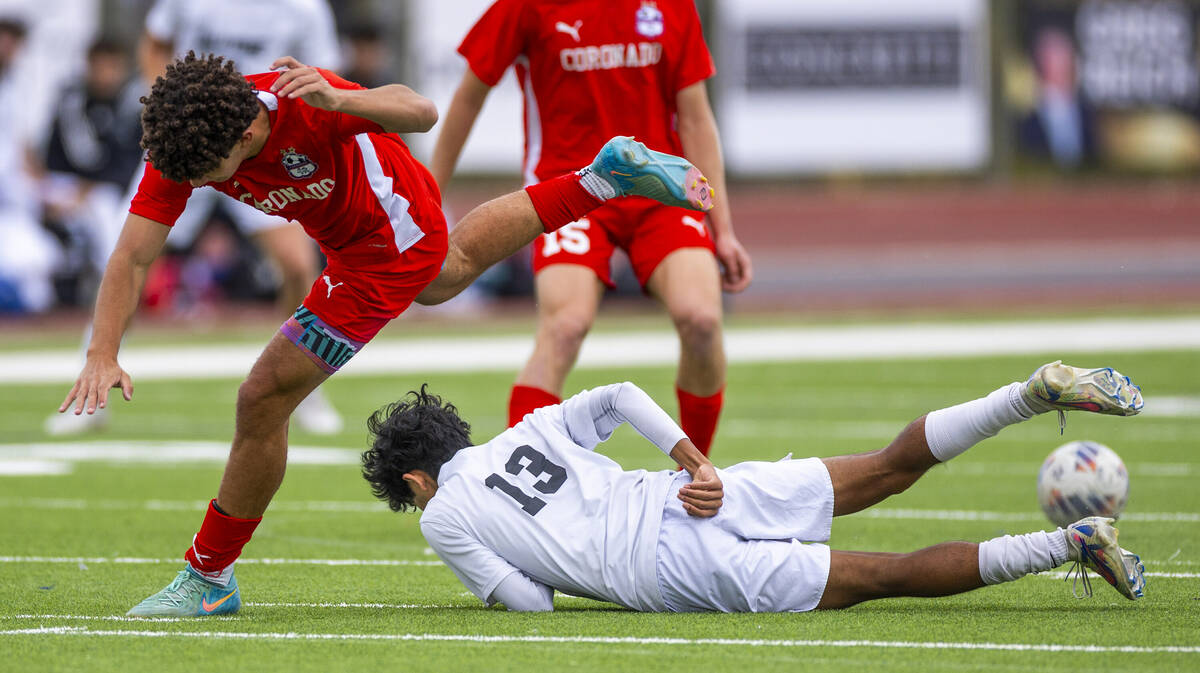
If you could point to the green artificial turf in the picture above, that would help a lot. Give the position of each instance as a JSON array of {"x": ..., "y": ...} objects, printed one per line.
[{"x": 353, "y": 617}]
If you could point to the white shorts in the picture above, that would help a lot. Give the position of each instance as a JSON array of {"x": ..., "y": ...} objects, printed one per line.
[{"x": 752, "y": 556}]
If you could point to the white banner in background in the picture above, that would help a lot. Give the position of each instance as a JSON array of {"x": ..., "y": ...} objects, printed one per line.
[
  {"x": 852, "y": 85},
  {"x": 496, "y": 144}
]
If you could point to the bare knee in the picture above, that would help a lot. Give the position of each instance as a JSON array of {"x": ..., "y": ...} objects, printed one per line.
[
  {"x": 256, "y": 405},
  {"x": 699, "y": 327},
  {"x": 564, "y": 331}
]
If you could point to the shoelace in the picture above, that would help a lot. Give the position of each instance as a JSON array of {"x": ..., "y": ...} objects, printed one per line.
[
  {"x": 1078, "y": 574},
  {"x": 1062, "y": 421},
  {"x": 177, "y": 592}
]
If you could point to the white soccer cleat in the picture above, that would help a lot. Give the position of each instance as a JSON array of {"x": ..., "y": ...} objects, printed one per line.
[
  {"x": 1062, "y": 388},
  {"x": 1092, "y": 544},
  {"x": 69, "y": 424},
  {"x": 316, "y": 415}
]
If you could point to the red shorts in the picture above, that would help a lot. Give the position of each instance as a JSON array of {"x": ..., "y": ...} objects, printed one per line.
[
  {"x": 358, "y": 299},
  {"x": 646, "y": 230}
]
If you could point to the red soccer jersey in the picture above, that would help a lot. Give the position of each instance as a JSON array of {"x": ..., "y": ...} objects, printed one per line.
[
  {"x": 590, "y": 70},
  {"x": 354, "y": 188}
]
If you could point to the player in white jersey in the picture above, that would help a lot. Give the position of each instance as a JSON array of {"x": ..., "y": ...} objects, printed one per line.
[
  {"x": 252, "y": 34},
  {"x": 536, "y": 510}
]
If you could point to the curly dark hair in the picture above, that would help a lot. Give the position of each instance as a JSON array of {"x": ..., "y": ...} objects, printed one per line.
[
  {"x": 418, "y": 432},
  {"x": 195, "y": 114}
]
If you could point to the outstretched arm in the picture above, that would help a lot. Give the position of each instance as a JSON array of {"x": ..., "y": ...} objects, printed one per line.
[
  {"x": 395, "y": 107},
  {"x": 140, "y": 243}
]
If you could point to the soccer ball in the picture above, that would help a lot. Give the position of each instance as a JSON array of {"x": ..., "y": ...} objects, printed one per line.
[{"x": 1082, "y": 479}]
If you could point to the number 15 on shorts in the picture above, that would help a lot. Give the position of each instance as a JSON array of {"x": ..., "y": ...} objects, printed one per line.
[{"x": 570, "y": 238}]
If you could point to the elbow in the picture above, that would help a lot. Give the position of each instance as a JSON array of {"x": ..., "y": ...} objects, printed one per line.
[{"x": 425, "y": 115}]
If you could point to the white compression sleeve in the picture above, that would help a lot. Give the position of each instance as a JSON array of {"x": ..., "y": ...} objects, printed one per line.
[
  {"x": 952, "y": 431},
  {"x": 518, "y": 592},
  {"x": 615, "y": 404},
  {"x": 1004, "y": 559}
]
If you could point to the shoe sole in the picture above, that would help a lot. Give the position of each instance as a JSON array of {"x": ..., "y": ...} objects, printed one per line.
[
  {"x": 651, "y": 174},
  {"x": 1117, "y": 396}
]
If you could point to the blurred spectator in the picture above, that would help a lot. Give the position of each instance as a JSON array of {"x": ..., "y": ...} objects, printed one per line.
[
  {"x": 1061, "y": 125},
  {"x": 366, "y": 56},
  {"x": 93, "y": 152},
  {"x": 28, "y": 254}
]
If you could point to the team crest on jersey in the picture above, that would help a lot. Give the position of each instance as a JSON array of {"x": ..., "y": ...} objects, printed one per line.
[
  {"x": 649, "y": 19},
  {"x": 299, "y": 166}
]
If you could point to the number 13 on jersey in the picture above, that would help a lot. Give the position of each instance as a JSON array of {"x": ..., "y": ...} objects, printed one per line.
[{"x": 528, "y": 459}]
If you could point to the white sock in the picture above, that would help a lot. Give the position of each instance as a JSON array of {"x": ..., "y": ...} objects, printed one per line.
[
  {"x": 1004, "y": 559},
  {"x": 595, "y": 185},
  {"x": 951, "y": 431}
]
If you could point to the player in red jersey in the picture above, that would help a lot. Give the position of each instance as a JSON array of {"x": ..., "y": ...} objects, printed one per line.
[
  {"x": 314, "y": 148},
  {"x": 590, "y": 69}
]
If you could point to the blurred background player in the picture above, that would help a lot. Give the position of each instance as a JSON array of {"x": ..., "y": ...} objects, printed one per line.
[
  {"x": 590, "y": 70},
  {"x": 91, "y": 154},
  {"x": 252, "y": 35}
]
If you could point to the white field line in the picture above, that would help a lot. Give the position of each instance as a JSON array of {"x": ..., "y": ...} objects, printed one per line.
[
  {"x": 97, "y": 560},
  {"x": 609, "y": 640},
  {"x": 80, "y": 504},
  {"x": 644, "y": 348},
  {"x": 166, "y": 451},
  {"x": 176, "y": 452},
  {"x": 122, "y": 618},
  {"x": 978, "y": 515}
]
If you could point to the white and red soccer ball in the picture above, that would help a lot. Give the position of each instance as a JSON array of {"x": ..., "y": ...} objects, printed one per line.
[{"x": 1081, "y": 479}]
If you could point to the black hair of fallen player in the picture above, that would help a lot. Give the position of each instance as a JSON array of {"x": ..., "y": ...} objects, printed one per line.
[
  {"x": 418, "y": 432},
  {"x": 195, "y": 114}
]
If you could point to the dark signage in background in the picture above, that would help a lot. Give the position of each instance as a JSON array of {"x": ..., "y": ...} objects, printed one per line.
[
  {"x": 869, "y": 86},
  {"x": 1107, "y": 84},
  {"x": 853, "y": 58}
]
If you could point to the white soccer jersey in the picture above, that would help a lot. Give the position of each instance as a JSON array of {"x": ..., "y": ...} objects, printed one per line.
[
  {"x": 253, "y": 33},
  {"x": 538, "y": 499}
]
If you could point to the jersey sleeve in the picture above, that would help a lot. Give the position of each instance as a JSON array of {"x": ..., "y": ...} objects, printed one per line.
[
  {"x": 479, "y": 568},
  {"x": 162, "y": 22},
  {"x": 519, "y": 592},
  {"x": 495, "y": 41},
  {"x": 347, "y": 124},
  {"x": 158, "y": 198},
  {"x": 695, "y": 61},
  {"x": 591, "y": 416}
]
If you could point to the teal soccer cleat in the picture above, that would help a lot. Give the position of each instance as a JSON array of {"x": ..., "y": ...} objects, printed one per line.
[
  {"x": 1092, "y": 544},
  {"x": 634, "y": 170},
  {"x": 190, "y": 595}
]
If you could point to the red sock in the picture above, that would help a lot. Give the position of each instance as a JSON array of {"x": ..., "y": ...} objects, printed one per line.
[
  {"x": 219, "y": 543},
  {"x": 561, "y": 200},
  {"x": 525, "y": 399},
  {"x": 698, "y": 416}
]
